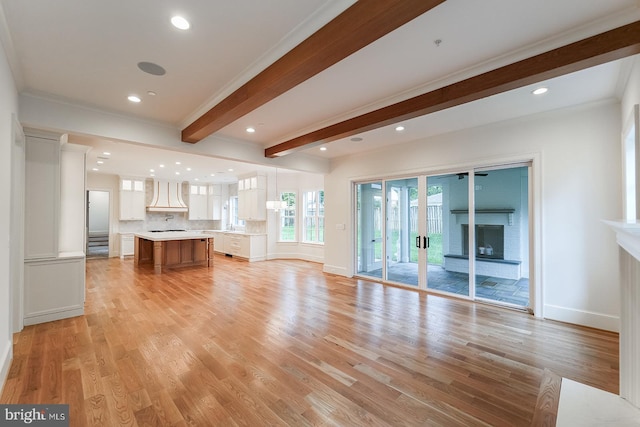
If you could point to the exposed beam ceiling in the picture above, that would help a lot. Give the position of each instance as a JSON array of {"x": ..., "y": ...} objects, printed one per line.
[
  {"x": 360, "y": 25},
  {"x": 608, "y": 46}
]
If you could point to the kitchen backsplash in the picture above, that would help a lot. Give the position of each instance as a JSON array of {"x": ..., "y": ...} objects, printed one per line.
[{"x": 168, "y": 221}]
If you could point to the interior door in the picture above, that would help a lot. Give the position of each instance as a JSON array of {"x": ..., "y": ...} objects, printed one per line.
[{"x": 369, "y": 239}]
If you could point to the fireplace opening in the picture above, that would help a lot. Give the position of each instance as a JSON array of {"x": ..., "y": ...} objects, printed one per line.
[{"x": 489, "y": 241}]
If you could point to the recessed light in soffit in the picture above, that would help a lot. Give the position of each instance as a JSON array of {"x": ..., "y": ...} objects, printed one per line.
[{"x": 151, "y": 68}]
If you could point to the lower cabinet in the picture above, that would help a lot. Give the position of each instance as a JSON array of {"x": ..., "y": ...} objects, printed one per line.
[
  {"x": 126, "y": 244},
  {"x": 53, "y": 288},
  {"x": 252, "y": 247}
]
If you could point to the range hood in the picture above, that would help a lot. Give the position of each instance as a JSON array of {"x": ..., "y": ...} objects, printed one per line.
[{"x": 167, "y": 197}]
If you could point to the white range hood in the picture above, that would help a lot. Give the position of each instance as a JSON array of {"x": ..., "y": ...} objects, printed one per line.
[{"x": 167, "y": 197}]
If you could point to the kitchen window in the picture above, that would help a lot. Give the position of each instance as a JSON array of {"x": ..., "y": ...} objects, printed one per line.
[
  {"x": 233, "y": 213},
  {"x": 288, "y": 217},
  {"x": 313, "y": 212}
]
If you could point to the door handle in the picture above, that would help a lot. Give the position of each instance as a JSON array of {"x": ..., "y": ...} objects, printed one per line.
[
  {"x": 426, "y": 242},
  {"x": 418, "y": 242}
]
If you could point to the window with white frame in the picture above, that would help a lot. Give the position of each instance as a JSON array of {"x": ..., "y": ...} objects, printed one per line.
[
  {"x": 288, "y": 217},
  {"x": 313, "y": 217},
  {"x": 233, "y": 212}
]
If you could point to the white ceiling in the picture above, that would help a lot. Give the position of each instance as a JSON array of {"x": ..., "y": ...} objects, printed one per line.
[{"x": 87, "y": 53}]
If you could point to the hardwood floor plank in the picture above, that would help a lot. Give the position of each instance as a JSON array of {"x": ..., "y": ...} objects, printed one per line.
[{"x": 282, "y": 343}]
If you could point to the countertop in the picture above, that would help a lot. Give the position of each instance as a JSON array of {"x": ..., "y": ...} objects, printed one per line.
[
  {"x": 172, "y": 235},
  {"x": 186, "y": 235}
]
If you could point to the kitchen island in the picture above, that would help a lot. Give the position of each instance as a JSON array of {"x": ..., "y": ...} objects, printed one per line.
[{"x": 173, "y": 249}]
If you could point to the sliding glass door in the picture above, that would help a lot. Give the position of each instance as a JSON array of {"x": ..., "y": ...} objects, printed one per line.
[
  {"x": 447, "y": 209},
  {"x": 402, "y": 239},
  {"x": 369, "y": 229},
  {"x": 463, "y": 233}
]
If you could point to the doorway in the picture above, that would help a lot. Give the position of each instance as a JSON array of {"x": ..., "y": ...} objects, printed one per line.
[
  {"x": 464, "y": 233},
  {"x": 97, "y": 223}
]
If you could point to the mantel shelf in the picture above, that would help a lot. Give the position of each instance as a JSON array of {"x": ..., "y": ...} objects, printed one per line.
[
  {"x": 508, "y": 211},
  {"x": 485, "y": 211}
]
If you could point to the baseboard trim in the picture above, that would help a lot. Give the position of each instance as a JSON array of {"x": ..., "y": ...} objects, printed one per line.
[
  {"x": 49, "y": 317},
  {"x": 582, "y": 317},
  {"x": 293, "y": 255},
  {"x": 5, "y": 363},
  {"x": 332, "y": 269}
]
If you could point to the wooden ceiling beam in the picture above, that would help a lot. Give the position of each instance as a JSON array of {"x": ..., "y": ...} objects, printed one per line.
[
  {"x": 358, "y": 26},
  {"x": 608, "y": 46}
]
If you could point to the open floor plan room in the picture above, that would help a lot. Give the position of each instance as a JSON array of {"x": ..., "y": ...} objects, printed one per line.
[{"x": 282, "y": 343}]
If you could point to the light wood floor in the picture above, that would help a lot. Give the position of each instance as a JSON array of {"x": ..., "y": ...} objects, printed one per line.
[{"x": 281, "y": 343}]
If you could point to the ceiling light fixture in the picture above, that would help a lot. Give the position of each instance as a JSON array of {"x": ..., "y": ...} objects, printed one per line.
[
  {"x": 151, "y": 93},
  {"x": 177, "y": 173},
  {"x": 161, "y": 166},
  {"x": 100, "y": 162},
  {"x": 230, "y": 169},
  {"x": 540, "y": 91},
  {"x": 177, "y": 163},
  {"x": 399, "y": 128},
  {"x": 152, "y": 170},
  {"x": 106, "y": 153},
  {"x": 95, "y": 169},
  {"x": 356, "y": 139},
  {"x": 323, "y": 148},
  {"x": 134, "y": 98},
  {"x": 188, "y": 169},
  {"x": 180, "y": 23},
  {"x": 251, "y": 130},
  {"x": 276, "y": 205}
]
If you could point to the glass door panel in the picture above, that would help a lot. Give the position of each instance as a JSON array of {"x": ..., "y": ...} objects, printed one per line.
[
  {"x": 447, "y": 213},
  {"x": 402, "y": 231},
  {"x": 369, "y": 229},
  {"x": 502, "y": 235}
]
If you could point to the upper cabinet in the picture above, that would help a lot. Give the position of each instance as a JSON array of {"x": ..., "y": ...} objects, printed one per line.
[
  {"x": 252, "y": 197},
  {"x": 205, "y": 202},
  {"x": 198, "y": 197},
  {"x": 132, "y": 199}
]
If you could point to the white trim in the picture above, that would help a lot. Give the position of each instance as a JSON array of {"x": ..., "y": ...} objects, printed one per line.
[
  {"x": 591, "y": 319},
  {"x": 5, "y": 362},
  {"x": 338, "y": 270}
]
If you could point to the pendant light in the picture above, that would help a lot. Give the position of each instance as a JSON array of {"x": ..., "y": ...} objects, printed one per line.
[{"x": 276, "y": 205}]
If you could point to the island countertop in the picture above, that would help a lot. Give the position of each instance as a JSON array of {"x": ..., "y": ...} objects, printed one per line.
[{"x": 171, "y": 235}]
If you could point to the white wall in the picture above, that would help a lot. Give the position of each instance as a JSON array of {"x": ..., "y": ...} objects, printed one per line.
[
  {"x": 8, "y": 108},
  {"x": 631, "y": 94},
  {"x": 577, "y": 154}
]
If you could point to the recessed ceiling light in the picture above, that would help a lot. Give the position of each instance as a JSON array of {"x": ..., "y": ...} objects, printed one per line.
[
  {"x": 153, "y": 174},
  {"x": 197, "y": 179},
  {"x": 177, "y": 173},
  {"x": 180, "y": 23},
  {"x": 100, "y": 162},
  {"x": 213, "y": 174},
  {"x": 134, "y": 98},
  {"x": 106, "y": 153},
  {"x": 251, "y": 130},
  {"x": 177, "y": 163},
  {"x": 152, "y": 170},
  {"x": 399, "y": 128},
  {"x": 356, "y": 139},
  {"x": 161, "y": 166},
  {"x": 151, "y": 93},
  {"x": 323, "y": 148},
  {"x": 230, "y": 169},
  {"x": 540, "y": 91},
  {"x": 95, "y": 169},
  {"x": 188, "y": 169}
]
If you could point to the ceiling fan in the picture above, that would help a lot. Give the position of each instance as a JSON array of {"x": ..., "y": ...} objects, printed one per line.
[{"x": 461, "y": 175}]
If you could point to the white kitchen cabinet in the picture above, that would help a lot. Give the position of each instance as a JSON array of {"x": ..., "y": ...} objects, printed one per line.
[
  {"x": 252, "y": 247},
  {"x": 54, "y": 273},
  {"x": 126, "y": 244},
  {"x": 198, "y": 201},
  {"x": 132, "y": 199},
  {"x": 252, "y": 198},
  {"x": 42, "y": 196},
  {"x": 214, "y": 205}
]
